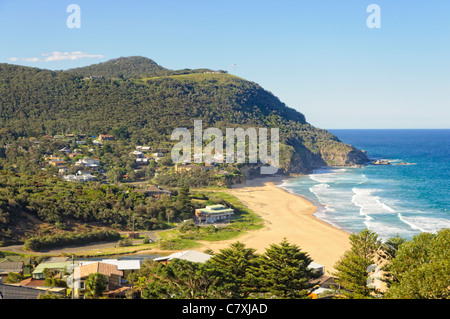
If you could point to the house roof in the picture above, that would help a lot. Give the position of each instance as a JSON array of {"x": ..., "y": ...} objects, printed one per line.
[
  {"x": 97, "y": 267},
  {"x": 17, "y": 292},
  {"x": 121, "y": 264},
  {"x": 189, "y": 255},
  {"x": 50, "y": 265},
  {"x": 216, "y": 209},
  {"x": 31, "y": 282},
  {"x": 6, "y": 267}
]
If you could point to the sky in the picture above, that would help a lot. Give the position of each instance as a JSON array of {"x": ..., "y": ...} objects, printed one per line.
[{"x": 323, "y": 58}]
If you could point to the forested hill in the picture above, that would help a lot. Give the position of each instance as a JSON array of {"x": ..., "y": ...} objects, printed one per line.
[{"x": 142, "y": 102}]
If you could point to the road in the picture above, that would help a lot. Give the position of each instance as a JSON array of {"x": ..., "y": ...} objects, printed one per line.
[{"x": 152, "y": 235}]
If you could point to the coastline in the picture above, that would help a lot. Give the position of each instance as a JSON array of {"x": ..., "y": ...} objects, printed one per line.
[{"x": 290, "y": 216}]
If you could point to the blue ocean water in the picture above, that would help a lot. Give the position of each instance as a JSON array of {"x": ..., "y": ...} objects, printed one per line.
[{"x": 391, "y": 200}]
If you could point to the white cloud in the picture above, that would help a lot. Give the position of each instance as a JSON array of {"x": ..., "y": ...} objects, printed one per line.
[
  {"x": 76, "y": 55},
  {"x": 58, "y": 56}
]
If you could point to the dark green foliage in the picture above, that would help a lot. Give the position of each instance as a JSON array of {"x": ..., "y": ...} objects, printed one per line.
[
  {"x": 95, "y": 285},
  {"x": 352, "y": 268},
  {"x": 234, "y": 264},
  {"x": 420, "y": 269},
  {"x": 61, "y": 240},
  {"x": 282, "y": 272}
]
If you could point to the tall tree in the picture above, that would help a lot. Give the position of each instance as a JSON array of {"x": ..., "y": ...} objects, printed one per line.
[
  {"x": 234, "y": 264},
  {"x": 353, "y": 268},
  {"x": 387, "y": 253},
  {"x": 283, "y": 272}
]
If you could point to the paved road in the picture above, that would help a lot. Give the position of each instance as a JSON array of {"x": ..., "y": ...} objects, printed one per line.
[{"x": 76, "y": 249}]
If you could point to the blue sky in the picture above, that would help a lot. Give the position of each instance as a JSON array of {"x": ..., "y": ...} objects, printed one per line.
[{"x": 318, "y": 57}]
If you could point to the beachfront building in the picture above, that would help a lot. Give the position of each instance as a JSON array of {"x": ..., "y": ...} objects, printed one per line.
[{"x": 213, "y": 214}]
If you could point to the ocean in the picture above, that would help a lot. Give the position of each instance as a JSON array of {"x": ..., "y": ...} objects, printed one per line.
[{"x": 390, "y": 200}]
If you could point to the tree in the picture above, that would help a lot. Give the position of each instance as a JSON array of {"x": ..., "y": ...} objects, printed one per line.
[
  {"x": 95, "y": 285},
  {"x": 182, "y": 279},
  {"x": 387, "y": 253},
  {"x": 420, "y": 268},
  {"x": 234, "y": 264},
  {"x": 353, "y": 268},
  {"x": 14, "y": 278},
  {"x": 283, "y": 272}
]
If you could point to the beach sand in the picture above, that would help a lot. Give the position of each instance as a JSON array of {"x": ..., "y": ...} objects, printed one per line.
[{"x": 287, "y": 216}]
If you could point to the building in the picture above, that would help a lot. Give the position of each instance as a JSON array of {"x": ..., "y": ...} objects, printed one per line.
[
  {"x": 105, "y": 137},
  {"x": 11, "y": 266},
  {"x": 82, "y": 272},
  {"x": 81, "y": 176},
  {"x": 89, "y": 162},
  {"x": 154, "y": 191},
  {"x": 60, "y": 268},
  {"x": 58, "y": 163},
  {"x": 126, "y": 266},
  {"x": 213, "y": 214},
  {"x": 189, "y": 255},
  {"x": 24, "y": 292}
]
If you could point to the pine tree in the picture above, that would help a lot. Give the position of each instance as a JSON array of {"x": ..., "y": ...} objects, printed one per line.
[
  {"x": 283, "y": 272},
  {"x": 233, "y": 264},
  {"x": 353, "y": 268}
]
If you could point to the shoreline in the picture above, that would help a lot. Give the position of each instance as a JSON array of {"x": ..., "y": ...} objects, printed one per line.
[{"x": 286, "y": 215}]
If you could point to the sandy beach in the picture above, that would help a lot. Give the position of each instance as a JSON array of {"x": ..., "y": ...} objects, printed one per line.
[{"x": 287, "y": 216}]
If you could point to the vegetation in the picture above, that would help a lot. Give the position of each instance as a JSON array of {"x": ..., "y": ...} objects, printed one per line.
[
  {"x": 61, "y": 240},
  {"x": 236, "y": 272},
  {"x": 95, "y": 285},
  {"x": 145, "y": 110},
  {"x": 420, "y": 268},
  {"x": 353, "y": 268}
]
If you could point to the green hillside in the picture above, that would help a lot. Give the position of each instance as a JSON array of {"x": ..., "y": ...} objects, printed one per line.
[{"x": 146, "y": 108}]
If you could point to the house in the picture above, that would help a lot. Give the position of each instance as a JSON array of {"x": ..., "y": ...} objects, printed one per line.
[
  {"x": 80, "y": 142},
  {"x": 154, "y": 191},
  {"x": 137, "y": 154},
  {"x": 143, "y": 148},
  {"x": 213, "y": 213},
  {"x": 58, "y": 163},
  {"x": 105, "y": 137},
  {"x": 7, "y": 267},
  {"x": 95, "y": 142},
  {"x": 142, "y": 160},
  {"x": 65, "y": 150},
  {"x": 318, "y": 268},
  {"x": 189, "y": 255},
  {"x": 89, "y": 162},
  {"x": 23, "y": 292},
  {"x": 63, "y": 170},
  {"x": 59, "y": 268},
  {"x": 124, "y": 265},
  {"x": 82, "y": 272},
  {"x": 84, "y": 177},
  {"x": 158, "y": 154},
  {"x": 72, "y": 155}
]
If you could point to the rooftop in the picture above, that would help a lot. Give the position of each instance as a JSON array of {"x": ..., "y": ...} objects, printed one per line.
[{"x": 189, "y": 255}]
